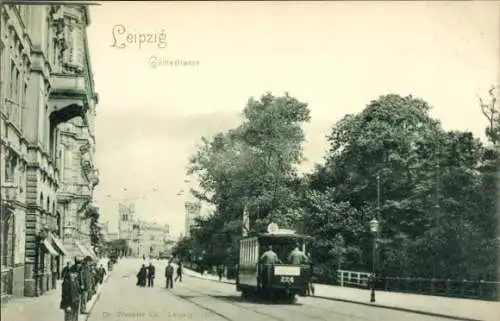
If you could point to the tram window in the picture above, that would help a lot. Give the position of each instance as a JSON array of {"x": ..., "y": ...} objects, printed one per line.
[
  {"x": 246, "y": 252},
  {"x": 252, "y": 251},
  {"x": 256, "y": 251}
]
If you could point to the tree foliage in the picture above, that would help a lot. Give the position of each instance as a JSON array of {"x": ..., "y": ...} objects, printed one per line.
[
  {"x": 433, "y": 191},
  {"x": 252, "y": 165}
]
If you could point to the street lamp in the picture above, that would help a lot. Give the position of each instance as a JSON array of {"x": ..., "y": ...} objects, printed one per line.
[{"x": 374, "y": 230}]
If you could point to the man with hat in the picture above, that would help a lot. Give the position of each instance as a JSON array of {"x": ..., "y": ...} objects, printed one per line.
[
  {"x": 70, "y": 292},
  {"x": 86, "y": 284}
]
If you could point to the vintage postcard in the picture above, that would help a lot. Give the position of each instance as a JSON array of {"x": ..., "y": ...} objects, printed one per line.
[{"x": 250, "y": 160}]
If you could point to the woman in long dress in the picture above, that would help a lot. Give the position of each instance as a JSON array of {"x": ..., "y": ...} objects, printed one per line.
[{"x": 142, "y": 276}]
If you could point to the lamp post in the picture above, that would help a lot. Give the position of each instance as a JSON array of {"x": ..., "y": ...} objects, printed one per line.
[{"x": 374, "y": 230}]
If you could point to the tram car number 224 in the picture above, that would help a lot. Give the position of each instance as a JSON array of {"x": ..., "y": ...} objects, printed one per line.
[{"x": 287, "y": 279}]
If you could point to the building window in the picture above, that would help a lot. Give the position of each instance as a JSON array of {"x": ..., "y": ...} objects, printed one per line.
[
  {"x": 61, "y": 163},
  {"x": 48, "y": 42},
  {"x": 6, "y": 238},
  {"x": 2, "y": 73},
  {"x": 10, "y": 168},
  {"x": 24, "y": 101},
  {"x": 13, "y": 81}
]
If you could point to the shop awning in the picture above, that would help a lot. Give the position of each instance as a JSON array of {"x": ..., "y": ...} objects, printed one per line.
[
  {"x": 59, "y": 244},
  {"x": 49, "y": 247},
  {"x": 82, "y": 249},
  {"x": 86, "y": 250}
]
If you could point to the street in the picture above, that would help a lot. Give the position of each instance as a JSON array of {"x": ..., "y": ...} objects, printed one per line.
[{"x": 198, "y": 299}]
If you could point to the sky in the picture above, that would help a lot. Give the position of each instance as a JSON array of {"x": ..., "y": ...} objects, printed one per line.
[{"x": 335, "y": 56}]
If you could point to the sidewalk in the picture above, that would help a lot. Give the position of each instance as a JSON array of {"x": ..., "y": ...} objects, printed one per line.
[
  {"x": 46, "y": 305},
  {"x": 458, "y": 309}
]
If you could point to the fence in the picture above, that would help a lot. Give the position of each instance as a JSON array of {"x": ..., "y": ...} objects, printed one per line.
[
  {"x": 482, "y": 290},
  {"x": 353, "y": 278}
]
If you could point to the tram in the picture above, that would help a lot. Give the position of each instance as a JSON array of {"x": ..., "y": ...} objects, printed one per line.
[{"x": 279, "y": 281}]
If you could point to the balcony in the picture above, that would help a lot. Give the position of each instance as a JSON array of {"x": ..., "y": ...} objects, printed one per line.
[
  {"x": 68, "y": 98},
  {"x": 70, "y": 191}
]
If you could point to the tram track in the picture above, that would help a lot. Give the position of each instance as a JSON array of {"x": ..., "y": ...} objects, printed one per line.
[
  {"x": 226, "y": 300},
  {"x": 225, "y": 317}
]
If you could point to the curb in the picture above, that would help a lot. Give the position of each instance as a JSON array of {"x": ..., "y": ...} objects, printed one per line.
[
  {"x": 376, "y": 305},
  {"x": 96, "y": 298},
  {"x": 201, "y": 277},
  {"x": 381, "y": 306}
]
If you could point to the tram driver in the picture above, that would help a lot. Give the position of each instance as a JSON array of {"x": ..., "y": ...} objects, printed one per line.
[
  {"x": 297, "y": 257},
  {"x": 268, "y": 257}
]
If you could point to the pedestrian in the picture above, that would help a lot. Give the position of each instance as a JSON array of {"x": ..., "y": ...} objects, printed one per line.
[
  {"x": 169, "y": 275},
  {"x": 70, "y": 296},
  {"x": 151, "y": 275},
  {"x": 220, "y": 271},
  {"x": 179, "y": 272},
  {"x": 110, "y": 265},
  {"x": 102, "y": 273},
  {"x": 76, "y": 271},
  {"x": 142, "y": 276},
  {"x": 65, "y": 269},
  {"x": 310, "y": 284},
  {"x": 86, "y": 284}
]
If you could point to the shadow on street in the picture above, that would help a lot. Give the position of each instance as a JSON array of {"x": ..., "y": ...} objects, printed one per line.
[{"x": 253, "y": 299}]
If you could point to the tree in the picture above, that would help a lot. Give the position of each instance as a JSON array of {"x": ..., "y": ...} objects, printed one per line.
[
  {"x": 252, "y": 165},
  {"x": 429, "y": 181},
  {"x": 489, "y": 108}
]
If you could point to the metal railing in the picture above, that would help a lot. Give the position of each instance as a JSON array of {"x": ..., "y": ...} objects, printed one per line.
[
  {"x": 482, "y": 290},
  {"x": 353, "y": 278}
]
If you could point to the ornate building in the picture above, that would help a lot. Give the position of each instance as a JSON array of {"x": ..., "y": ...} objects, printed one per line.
[
  {"x": 47, "y": 82},
  {"x": 143, "y": 238}
]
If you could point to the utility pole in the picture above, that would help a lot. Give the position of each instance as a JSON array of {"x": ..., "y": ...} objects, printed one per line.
[{"x": 436, "y": 218}]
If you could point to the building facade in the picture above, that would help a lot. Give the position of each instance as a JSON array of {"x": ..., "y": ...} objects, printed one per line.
[
  {"x": 151, "y": 239},
  {"x": 143, "y": 238},
  {"x": 192, "y": 211},
  {"x": 45, "y": 82}
]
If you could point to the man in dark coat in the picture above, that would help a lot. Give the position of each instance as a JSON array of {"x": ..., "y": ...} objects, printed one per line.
[
  {"x": 151, "y": 275},
  {"x": 310, "y": 285},
  {"x": 220, "y": 271},
  {"x": 102, "y": 273},
  {"x": 169, "y": 275},
  {"x": 179, "y": 272},
  {"x": 86, "y": 284},
  {"x": 70, "y": 296},
  {"x": 65, "y": 269}
]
